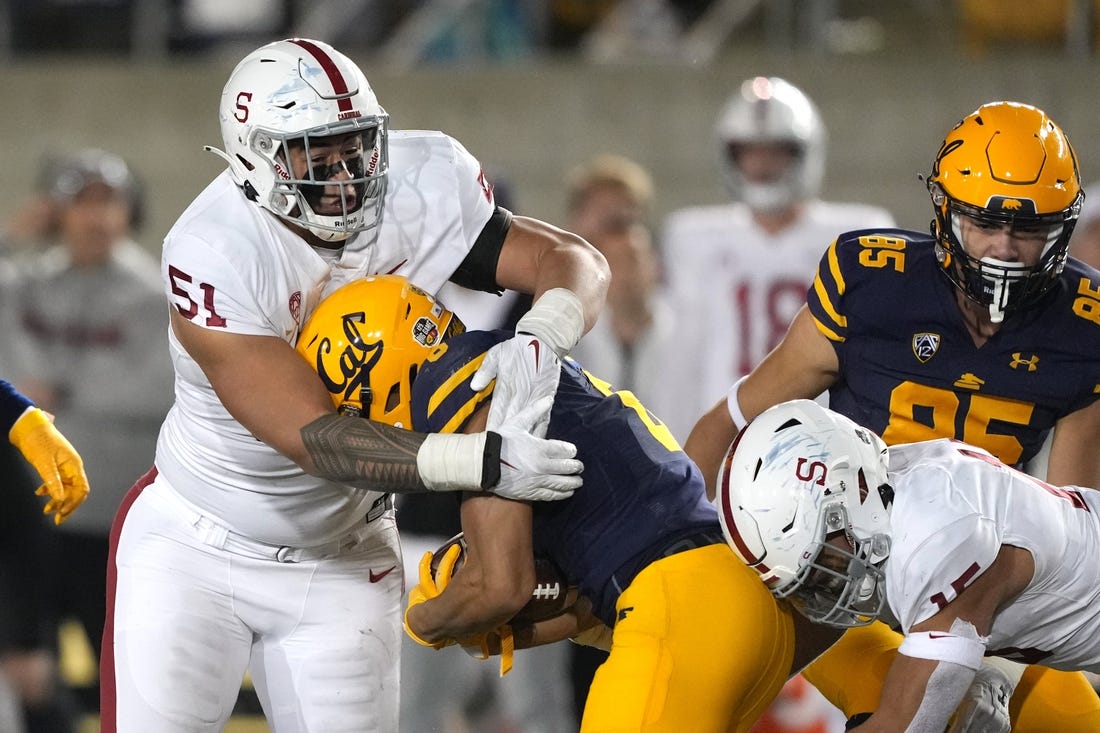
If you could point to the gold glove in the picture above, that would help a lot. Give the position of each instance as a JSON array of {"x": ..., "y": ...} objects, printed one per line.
[
  {"x": 428, "y": 589},
  {"x": 55, "y": 459}
]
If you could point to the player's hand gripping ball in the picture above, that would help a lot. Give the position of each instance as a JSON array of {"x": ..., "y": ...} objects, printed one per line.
[{"x": 552, "y": 594}]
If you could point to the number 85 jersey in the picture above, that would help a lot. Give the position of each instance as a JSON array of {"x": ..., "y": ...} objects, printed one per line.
[{"x": 910, "y": 370}]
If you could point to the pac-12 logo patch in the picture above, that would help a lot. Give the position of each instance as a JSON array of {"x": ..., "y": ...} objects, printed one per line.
[
  {"x": 425, "y": 332},
  {"x": 925, "y": 346}
]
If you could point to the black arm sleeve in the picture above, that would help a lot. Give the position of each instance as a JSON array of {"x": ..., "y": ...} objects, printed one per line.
[{"x": 479, "y": 270}]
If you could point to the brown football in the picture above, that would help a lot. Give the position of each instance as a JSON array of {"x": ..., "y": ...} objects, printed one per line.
[{"x": 552, "y": 593}]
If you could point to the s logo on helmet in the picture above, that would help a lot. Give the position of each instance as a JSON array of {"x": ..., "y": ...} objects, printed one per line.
[
  {"x": 241, "y": 115},
  {"x": 814, "y": 471}
]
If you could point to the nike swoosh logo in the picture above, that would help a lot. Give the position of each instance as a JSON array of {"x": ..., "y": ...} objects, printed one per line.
[
  {"x": 375, "y": 578},
  {"x": 534, "y": 344}
]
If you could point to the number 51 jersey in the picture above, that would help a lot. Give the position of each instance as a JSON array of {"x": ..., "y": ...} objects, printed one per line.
[{"x": 909, "y": 369}]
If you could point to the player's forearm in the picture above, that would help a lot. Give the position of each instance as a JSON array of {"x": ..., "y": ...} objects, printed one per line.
[
  {"x": 363, "y": 453},
  {"x": 921, "y": 693}
]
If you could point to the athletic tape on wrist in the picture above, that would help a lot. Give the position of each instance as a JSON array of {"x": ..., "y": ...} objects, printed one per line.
[
  {"x": 556, "y": 319},
  {"x": 961, "y": 645},
  {"x": 448, "y": 462},
  {"x": 734, "y": 406}
]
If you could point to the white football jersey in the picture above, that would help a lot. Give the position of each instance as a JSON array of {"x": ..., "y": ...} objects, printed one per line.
[
  {"x": 954, "y": 506},
  {"x": 228, "y": 264},
  {"x": 734, "y": 289}
]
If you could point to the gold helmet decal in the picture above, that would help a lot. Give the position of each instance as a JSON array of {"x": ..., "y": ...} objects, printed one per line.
[{"x": 367, "y": 341}]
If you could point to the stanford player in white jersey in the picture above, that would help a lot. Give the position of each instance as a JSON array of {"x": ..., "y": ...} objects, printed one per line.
[
  {"x": 738, "y": 272},
  {"x": 973, "y": 558},
  {"x": 263, "y": 540}
]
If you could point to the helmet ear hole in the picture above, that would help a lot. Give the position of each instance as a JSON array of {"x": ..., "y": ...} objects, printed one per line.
[{"x": 393, "y": 399}]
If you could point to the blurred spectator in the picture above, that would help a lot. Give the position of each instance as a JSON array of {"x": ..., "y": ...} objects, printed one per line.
[
  {"x": 738, "y": 272},
  {"x": 90, "y": 347},
  {"x": 609, "y": 200},
  {"x": 1085, "y": 244}
]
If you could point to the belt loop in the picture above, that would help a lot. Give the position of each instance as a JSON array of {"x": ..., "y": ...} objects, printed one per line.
[{"x": 210, "y": 533}]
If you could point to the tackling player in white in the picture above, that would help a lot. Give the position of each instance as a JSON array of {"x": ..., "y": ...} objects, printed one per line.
[
  {"x": 264, "y": 538},
  {"x": 967, "y": 556}
]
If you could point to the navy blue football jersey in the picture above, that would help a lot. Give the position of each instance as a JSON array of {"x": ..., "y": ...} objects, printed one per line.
[
  {"x": 910, "y": 370},
  {"x": 641, "y": 493}
]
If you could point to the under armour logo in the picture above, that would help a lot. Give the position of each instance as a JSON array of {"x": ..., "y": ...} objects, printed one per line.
[{"x": 1019, "y": 361}]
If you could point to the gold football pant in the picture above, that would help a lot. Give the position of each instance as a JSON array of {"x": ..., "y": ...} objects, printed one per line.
[
  {"x": 699, "y": 645},
  {"x": 1045, "y": 700}
]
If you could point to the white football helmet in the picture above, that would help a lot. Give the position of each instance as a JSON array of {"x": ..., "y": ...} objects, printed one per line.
[
  {"x": 798, "y": 481},
  {"x": 771, "y": 110},
  {"x": 287, "y": 95}
]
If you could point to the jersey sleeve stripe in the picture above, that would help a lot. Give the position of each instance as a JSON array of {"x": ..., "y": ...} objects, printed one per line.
[
  {"x": 826, "y": 331},
  {"x": 834, "y": 268},
  {"x": 453, "y": 382},
  {"x": 827, "y": 305}
]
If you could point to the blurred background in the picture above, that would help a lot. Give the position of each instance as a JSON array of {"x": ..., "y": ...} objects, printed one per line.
[{"x": 531, "y": 87}]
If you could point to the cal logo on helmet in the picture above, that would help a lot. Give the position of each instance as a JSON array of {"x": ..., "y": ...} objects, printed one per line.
[
  {"x": 1024, "y": 207},
  {"x": 367, "y": 341}
]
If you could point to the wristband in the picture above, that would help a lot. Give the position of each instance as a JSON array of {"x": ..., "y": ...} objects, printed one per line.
[
  {"x": 490, "y": 465},
  {"x": 556, "y": 319},
  {"x": 962, "y": 645},
  {"x": 448, "y": 462},
  {"x": 734, "y": 406}
]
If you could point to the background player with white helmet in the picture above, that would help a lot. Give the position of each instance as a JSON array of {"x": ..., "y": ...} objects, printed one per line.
[
  {"x": 958, "y": 545},
  {"x": 737, "y": 272},
  {"x": 264, "y": 537}
]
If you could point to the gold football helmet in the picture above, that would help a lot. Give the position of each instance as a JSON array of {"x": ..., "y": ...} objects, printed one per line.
[
  {"x": 1005, "y": 164},
  {"x": 367, "y": 341}
]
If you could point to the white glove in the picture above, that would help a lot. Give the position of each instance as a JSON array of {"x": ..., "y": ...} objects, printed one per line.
[
  {"x": 527, "y": 371},
  {"x": 533, "y": 468},
  {"x": 984, "y": 708},
  {"x": 527, "y": 366}
]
